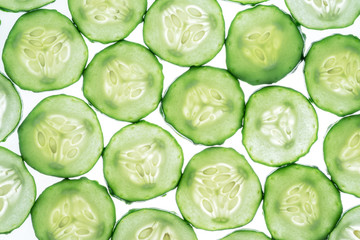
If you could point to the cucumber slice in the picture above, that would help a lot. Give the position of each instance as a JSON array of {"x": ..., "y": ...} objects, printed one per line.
[
  {"x": 21, "y": 5},
  {"x": 17, "y": 191},
  {"x": 341, "y": 154},
  {"x": 152, "y": 224},
  {"x": 280, "y": 126},
  {"x": 142, "y": 161},
  {"x": 107, "y": 21},
  {"x": 300, "y": 202},
  {"x": 185, "y": 32},
  {"x": 246, "y": 235},
  {"x": 263, "y": 45},
  {"x": 61, "y": 137},
  {"x": 44, "y": 51},
  {"x": 322, "y": 15},
  {"x": 348, "y": 227},
  {"x": 124, "y": 81},
  {"x": 10, "y": 108},
  {"x": 248, "y": 1},
  {"x": 205, "y": 104},
  {"x": 219, "y": 190},
  {"x": 74, "y": 209},
  {"x": 332, "y": 74}
]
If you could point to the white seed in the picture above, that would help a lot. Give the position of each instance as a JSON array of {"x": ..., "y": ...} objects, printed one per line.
[
  {"x": 199, "y": 36},
  {"x": 207, "y": 205},
  {"x": 193, "y": 11},
  {"x": 145, "y": 233},
  {"x": 41, "y": 139},
  {"x": 37, "y": 32},
  {"x": 29, "y": 53}
]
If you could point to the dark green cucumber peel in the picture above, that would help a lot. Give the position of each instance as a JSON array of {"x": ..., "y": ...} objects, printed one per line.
[{"x": 246, "y": 235}]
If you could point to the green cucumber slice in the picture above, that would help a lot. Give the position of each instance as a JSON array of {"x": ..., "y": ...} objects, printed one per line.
[
  {"x": 248, "y": 1},
  {"x": 280, "y": 126},
  {"x": 17, "y": 191},
  {"x": 107, "y": 21},
  {"x": 142, "y": 161},
  {"x": 332, "y": 74},
  {"x": 246, "y": 235},
  {"x": 322, "y": 15},
  {"x": 44, "y": 51},
  {"x": 10, "y": 108},
  {"x": 341, "y": 154},
  {"x": 124, "y": 81},
  {"x": 152, "y": 224},
  {"x": 74, "y": 209},
  {"x": 263, "y": 45},
  {"x": 21, "y": 5},
  {"x": 300, "y": 202},
  {"x": 205, "y": 104},
  {"x": 218, "y": 190},
  {"x": 61, "y": 137},
  {"x": 348, "y": 227},
  {"x": 185, "y": 32}
]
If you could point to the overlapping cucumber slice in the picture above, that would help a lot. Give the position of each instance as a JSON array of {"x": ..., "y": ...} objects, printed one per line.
[
  {"x": 246, "y": 235},
  {"x": 21, "y": 5},
  {"x": 348, "y": 227}
]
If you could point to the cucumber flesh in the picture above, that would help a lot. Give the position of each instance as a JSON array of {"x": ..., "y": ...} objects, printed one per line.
[
  {"x": 246, "y": 235},
  {"x": 218, "y": 190},
  {"x": 17, "y": 191},
  {"x": 142, "y": 161},
  {"x": 300, "y": 202},
  {"x": 21, "y": 5},
  {"x": 248, "y": 1},
  {"x": 348, "y": 227},
  {"x": 152, "y": 224}
]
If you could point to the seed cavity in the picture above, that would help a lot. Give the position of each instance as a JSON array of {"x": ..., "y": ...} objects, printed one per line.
[
  {"x": 10, "y": 187},
  {"x": 107, "y": 12},
  {"x": 350, "y": 154},
  {"x": 327, "y": 9}
]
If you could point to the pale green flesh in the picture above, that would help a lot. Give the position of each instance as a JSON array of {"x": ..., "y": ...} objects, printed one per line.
[
  {"x": 22, "y": 5},
  {"x": 248, "y": 1},
  {"x": 348, "y": 227},
  {"x": 246, "y": 235}
]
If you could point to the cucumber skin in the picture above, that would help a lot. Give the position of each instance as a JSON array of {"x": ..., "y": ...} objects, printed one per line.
[{"x": 25, "y": 10}]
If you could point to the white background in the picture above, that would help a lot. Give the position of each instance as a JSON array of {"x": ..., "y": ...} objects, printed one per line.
[{"x": 109, "y": 126}]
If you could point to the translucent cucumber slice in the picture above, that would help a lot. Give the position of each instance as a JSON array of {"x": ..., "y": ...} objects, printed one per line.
[
  {"x": 280, "y": 126},
  {"x": 205, "y": 104},
  {"x": 10, "y": 108},
  {"x": 246, "y": 235},
  {"x": 21, "y": 5},
  {"x": 300, "y": 202},
  {"x": 263, "y": 45},
  {"x": 124, "y": 81},
  {"x": 324, "y": 14},
  {"x": 152, "y": 224},
  {"x": 107, "y": 21},
  {"x": 61, "y": 137},
  {"x": 218, "y": 190},
  {"x": 44, "y": 51},
  {"x": 332, "y": 74},
  {"x": 17, "y": 191},
  {"x": 74, "y": 209},
  {"x": 185, "y": 32},
  {"x": 348, "y": 227},
  {"x": 142, "y": 161},
  {"x": 248, "y": 1},
  {"x": 342, "y": 154}
]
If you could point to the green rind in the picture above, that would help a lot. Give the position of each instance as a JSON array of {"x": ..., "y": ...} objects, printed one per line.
[
  {"x": 249, "y": 203},
  {"x": 348, "y": 224},
  {"x": 19, "y": 215},
  {"x": 251, "y": 2},
  {"x": 122, "y": 187},
  {"x": 9, "y": 6},
  {"x": 127, "y": 52},
  {"x": 213, "y": 133},
  {"x": 107, "y": 33},
  {"x": 92, "y": 192},
  {"x": 122, "y": 231},
  {"x": 56, "y": 105},
  {"x": 246, "y": 235},
  {"x": 330, "y": 207}
]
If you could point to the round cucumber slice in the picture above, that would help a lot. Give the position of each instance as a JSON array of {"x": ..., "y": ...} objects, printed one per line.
[
  {"x": 107, "y": 21},
  {"x": 74, "y": 209},
  {"x": 263, "y": 45},
  {"x": 332, "y": 74},
  {"x": 44, "y": 51},
  {"x": 341, "y": 154},
  {"x": 17, "y": 191},
  {"x": 280, "y": 126},
  {"x": 124, "y": 81},
  {"x": 10, "y": 108},
  {"x": 61, "y": 137},
  {"x": 142, "y": 161},
  {"x": 185, "y": 32},
  {"x": 205, "y": 104},
  {"x": 248, "y": 1},
  {"x": 21, "y": 5},
  {"x": 348, "y": 227},
  {"x": 152, "y": 224},
  {"x": 326, "y": 14},
  {"x": 219, "y": 190},
  {"x": 300, "y": 202},
  {"x": 246, "y": 235}
]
